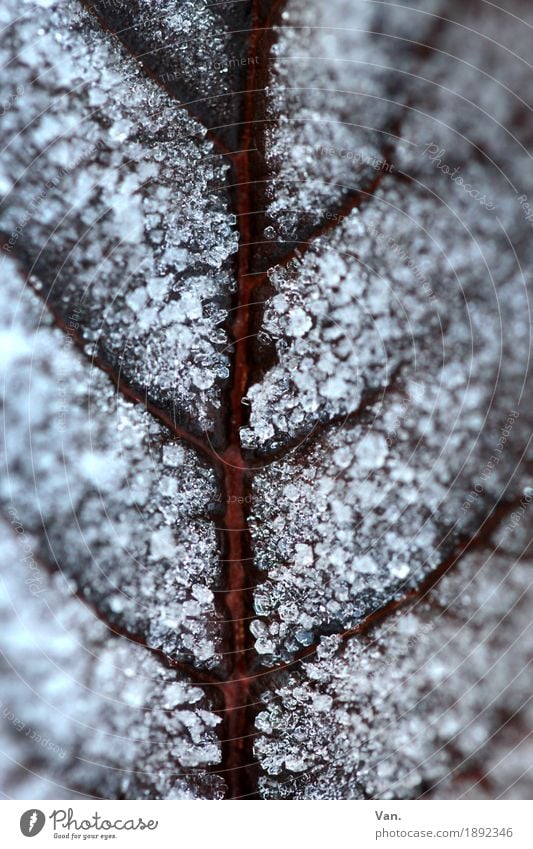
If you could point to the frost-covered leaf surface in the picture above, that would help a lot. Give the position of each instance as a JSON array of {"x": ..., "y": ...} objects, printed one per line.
[
  {"x": 399, "y": 273},
  {"x": 265, "y": 355},
  {"x": 365, "y": 515},
  {"x": 335, "y": 102},
  {"x": 394, "y": 286},
  {"x": 117, "y": 505},
  {"x": 196, "y": 49},
  {"x": 119, "y": 205},
  {"x": 422, "y": 705},
  {"x": 84, "y": 715}
]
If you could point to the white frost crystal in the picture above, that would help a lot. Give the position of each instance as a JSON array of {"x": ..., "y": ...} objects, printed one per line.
[
  {"x": 346, "y": 323},
  {"x": 195, "y": 48},
  {"x": 333, "y": 101},
  {"x": 118, "y": 203},
  {"x": 421, "y": 267},
  {"x": 374, "y": 507},
  {"x": 124, "y": 517},
  {"x": 85, "y": 714},
  {"x": 427, "y": 703},
  {"x": 404, "y": 393}
]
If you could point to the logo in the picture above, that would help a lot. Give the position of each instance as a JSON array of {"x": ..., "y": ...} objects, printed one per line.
[{"x": 32, "y": 822}]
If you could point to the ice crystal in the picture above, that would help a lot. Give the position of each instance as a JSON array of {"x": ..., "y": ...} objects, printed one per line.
[
  {"x": 118, "y": 204},
  {"x": 121, "y": 513},
  {"x": 422, "y": 705},
  {"x": 84, "y": 713}
]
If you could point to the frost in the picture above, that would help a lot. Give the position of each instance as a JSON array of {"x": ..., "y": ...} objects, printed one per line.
[
  {"x": 299, "y": 323},
  {"x": 119, "y": 205},
  {"x": 83, "y": 470},
  {"x": 197, "y": 50},
  {"x": 333, "y": 101},
  {"x": 409, "y": 358},
  {"x": 427, "y": 709},
  {"x": 85, "y": 713},
  {"x": 394, "y": 312},
  {"x": 386, "y": 348},
  {"x": 381, "y": 512}
]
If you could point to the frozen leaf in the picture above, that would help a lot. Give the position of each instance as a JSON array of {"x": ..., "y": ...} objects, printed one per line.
[
  {"x": 115, "y": 503},
  {"x": 380, "y": 328},
  {"x": 119, "y": 205},
  {"x": 265, "y": 357},
  {"x": 86, "y": 715},
  {"x": 425, "y": 703}
]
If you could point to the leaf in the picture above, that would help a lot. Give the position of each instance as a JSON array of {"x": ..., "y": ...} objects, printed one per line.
[
  {"x": 265, "y": 341},
  {"x": 132, "y": 534},
  {"x": 426, "y": 703},
  {"x": 123, "y": 212},
  {"x": 95, "y": 489},
  {"x": 87, "y": 715}
]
